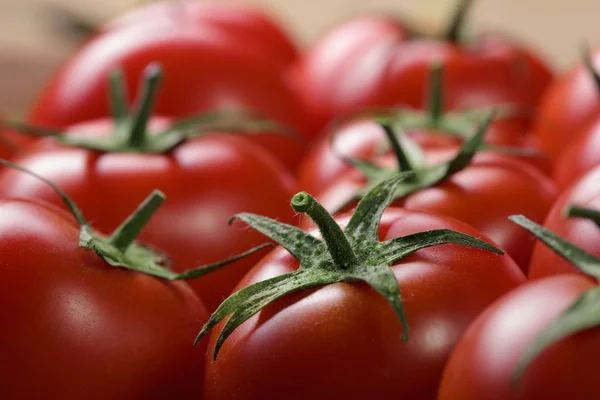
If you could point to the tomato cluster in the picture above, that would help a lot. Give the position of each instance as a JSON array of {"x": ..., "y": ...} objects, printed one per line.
[{"x": 354, "y": 219}]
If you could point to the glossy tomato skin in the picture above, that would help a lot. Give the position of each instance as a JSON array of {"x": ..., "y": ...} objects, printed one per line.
[
  {"x": 483, "y": 362},
  {"x": 204, "y": 67},
  {"x": 235, "y": 22},
  {"x": 581, "y": 155},
  {"x": 582, "y": 232},
  {"x": 483, "y": 195},
  {"x": 206, "y": 181},
  {"x": 384, "y": 69},
  {"x": 343, "y": 340},
  {"x": 322, "y": 165},
  {"x": 568, "y": 106},
  {"x": 74, "y": 327}
]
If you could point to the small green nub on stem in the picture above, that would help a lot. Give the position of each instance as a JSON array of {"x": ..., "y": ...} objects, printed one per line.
[
  {"x": 145, "y": 102},
  {"x": 456, "y": 24},
  {"x": 118, "y": 95},
  {"x": 403, "y": 163},
  {"x": 126, "y": 234},
  {"x": 582, "y": 212},
  {"x": 340, "y": 249},
  {"x": 435, "y": 102}
]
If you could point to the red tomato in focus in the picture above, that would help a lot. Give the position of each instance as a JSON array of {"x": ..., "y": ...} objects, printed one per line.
[
  {"x": 322, "y": 165},
  {"x": 581, "y": 155},
  {"x": 205, "y": 66},
  {"x": 568, "y": 106},
  {"x": 343, "y": 340},
  {"x": 74, "y": 327},
  {"x": 206, "y": 181},
  {"x": 348, "y": 70},
  {"x": 483, "y": 362},
  {"x": 581, "y": 232},
  {"x": 483, "y": 195}
]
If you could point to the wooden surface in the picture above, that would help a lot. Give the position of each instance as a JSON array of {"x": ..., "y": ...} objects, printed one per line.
[{"x": 33, "y": 44}]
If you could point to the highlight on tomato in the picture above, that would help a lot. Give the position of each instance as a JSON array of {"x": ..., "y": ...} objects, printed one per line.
[
  {"x": 207, "y": 176},
  {"x": 331, "y": 313}
]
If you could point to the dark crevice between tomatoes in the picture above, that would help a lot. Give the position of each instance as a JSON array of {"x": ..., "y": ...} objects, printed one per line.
[
  {"x": 582, "y": 314},
  {"x": 120, "y": 248},
  {"x": 131, "y": 133},
  {"x": 351, "y": 255}
]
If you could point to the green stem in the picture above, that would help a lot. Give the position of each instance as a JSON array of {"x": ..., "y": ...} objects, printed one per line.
[
  {"x": 125, "y": 234},
  {"x": 118, "y": 96},
  {"x": 403, "y": 162},
  {"x": 589, "y": 64},
  {"x": 582, "y": 212},
  {"x": 339, "y": 247},
  {"x": 434, "y": 95},
  {"x": 454, "y": 29},
  {"x": 153, "y": 75}
]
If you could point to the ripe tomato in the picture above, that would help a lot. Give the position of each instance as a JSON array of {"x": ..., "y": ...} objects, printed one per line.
[
  {"x": 568, "y": 106},
  {"x": 206, "y": 180},
  {"x": 579, "y": 156},
  {"x": 347, "y": 70},
  {"x": 75, "y": 327},
  {"x": 343, "y": 340},
  {"x": 483, "y": 363},
  {"x": 322, "y": 164},
  {"x": 582, "y": 232},
  {"x": 208, "y": 63}
]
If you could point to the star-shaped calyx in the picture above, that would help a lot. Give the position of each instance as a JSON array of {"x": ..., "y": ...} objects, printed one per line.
[
  {"x": 350, "y": 255},
  {"x": 120, "y": 248},
  {"x": 584, "y": 312},
  {"x": 131, "y": 132}
]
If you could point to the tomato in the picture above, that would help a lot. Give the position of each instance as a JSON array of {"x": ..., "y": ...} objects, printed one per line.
[
  {"x": 343, "y": 340},
  {"x": 483, "y": 363},
  {"x": 579, "y": 156},
  {"x": 75, "y": 327},
  {"x": 568, "y": 106},
  {"x": 352, "y": 67},
  {"x": 209, "y": 63},
  {"x": 206, "y": 180},
  {"x": 322, "y": 165},
  {"x": 582, "y": 232}
]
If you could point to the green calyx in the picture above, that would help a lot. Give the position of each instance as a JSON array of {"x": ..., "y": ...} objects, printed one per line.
[
  {"x": 583, "y": 313},
  {"x": 589, "y": 65},
  {"x": 120, "y": 248},
  {"x": 421, "y": 175},
  {"x": 454, "y": 31},
  {"x": 131, "y": 133},
  {"x": 354, "y": 254}
]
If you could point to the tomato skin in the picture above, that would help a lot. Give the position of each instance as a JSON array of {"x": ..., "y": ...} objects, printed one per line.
[
  {"x": 78, "y": 328},
  {"x": 504, "y": 185},
  {"x": 206, "y": 181},
  {"x": 582, "y": 232},
  {"x": 203, "y": 67},
  {"x": 343, "y": 340},
  {"x": 384, "y": 69},
  {"x": 568, "y": 106},
  {"x": 580, "y": 156},
  {"x": 482, "y": 364},
  {"x": 322, "y": 165}
]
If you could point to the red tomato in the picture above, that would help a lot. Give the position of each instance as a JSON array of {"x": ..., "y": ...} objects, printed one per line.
[
  {"x": 579, "y": 156},
  {"x": 503, "y": 185},
  {"x": 207, "y": 63},
  {"x": 352, "y": 67},
  {"x": 568, "y": 106},
  {"x": 74, "y": 327},
  {"x": 206, "y": 180},
  {"x": 483, "y": 363},
  {"x": 581, "y": 232},
  {"x": 322, "y": 165},
  {"x": 343, "y": 340}
]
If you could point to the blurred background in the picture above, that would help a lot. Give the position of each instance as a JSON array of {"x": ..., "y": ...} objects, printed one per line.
[{"x": 36, "y": 36}]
